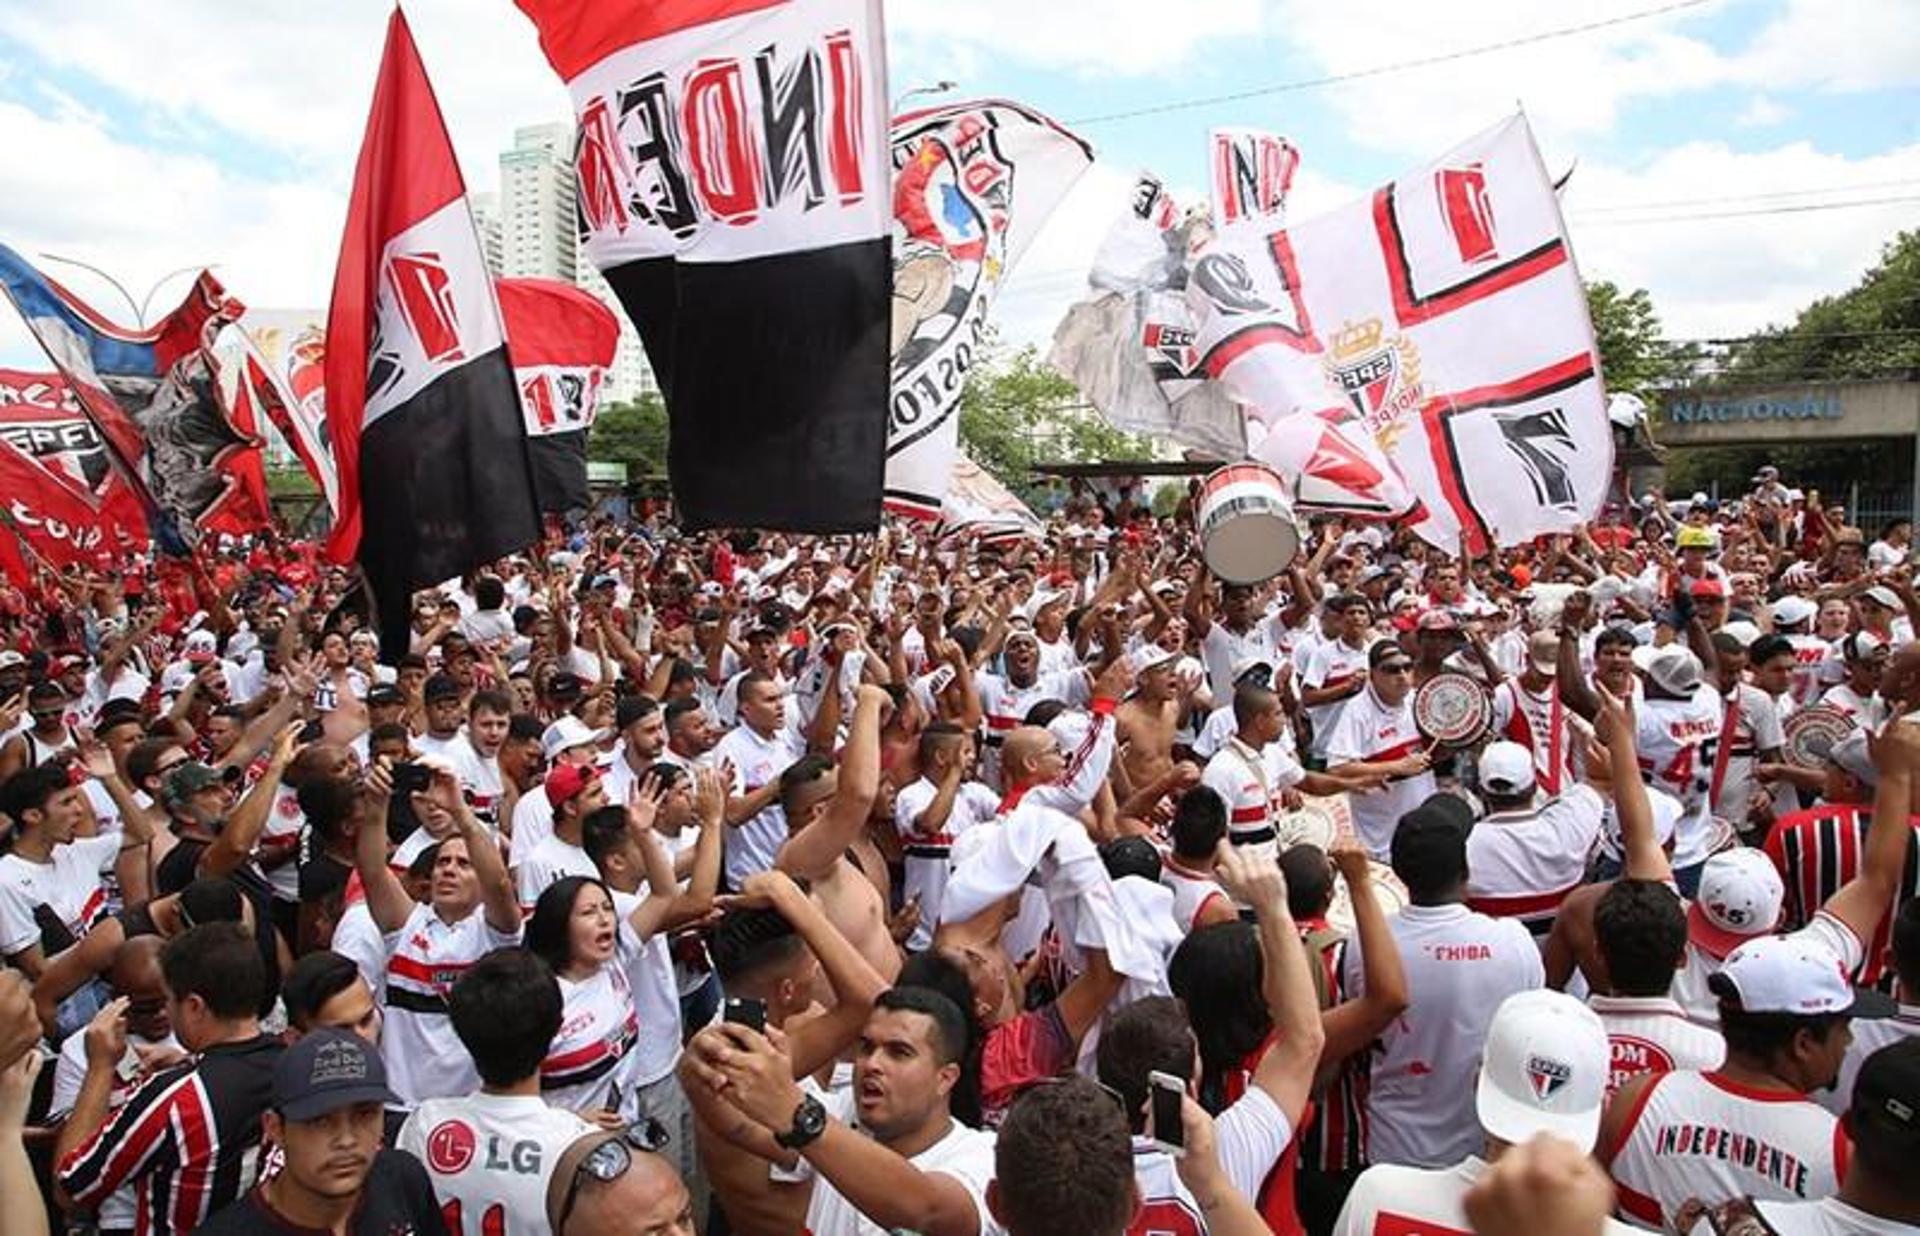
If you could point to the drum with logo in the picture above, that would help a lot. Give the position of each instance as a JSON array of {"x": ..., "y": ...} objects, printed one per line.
[
  {"x": 1453, "y": 709},
  {"x": 1387, "y": 890},
  {"x": 1247, "y": 531},
  {"x": 1812, "y": 732}
]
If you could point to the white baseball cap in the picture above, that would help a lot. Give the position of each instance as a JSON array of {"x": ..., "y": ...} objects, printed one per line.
[
  {"x": 1882, "y": 596},
  {"x": 568, "y": 731},
  {"x": 1149, "y": 655},
  {"x": 1739, "y": 898},
  {"x": 1791, "y": 611},
  {"x": 1545, "y": 1070},
  {"x": 1673, "y": 668},
  {"x": 1794, "y": 975},
  {"x": 1852, "y": 757},
  {"x": 1744, "y": 633},
  {"x": 1506, "y": 768},
  {"x": 1543, "y": 651}
]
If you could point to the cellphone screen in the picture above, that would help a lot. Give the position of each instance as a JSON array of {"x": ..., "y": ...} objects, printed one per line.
[
  {"x": 1167, "y": 1129},
  {"x": 751, "y": 1013}
]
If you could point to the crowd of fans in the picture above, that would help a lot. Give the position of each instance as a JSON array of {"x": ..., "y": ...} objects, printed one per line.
[{"x": 767, "y": 884}]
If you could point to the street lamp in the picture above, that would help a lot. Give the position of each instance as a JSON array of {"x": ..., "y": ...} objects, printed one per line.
[
  {"x": 140, "y": 309},
  {"x": 939, "y": 87}
]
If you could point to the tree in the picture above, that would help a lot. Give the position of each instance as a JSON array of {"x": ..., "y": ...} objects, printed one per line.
[
  {"x": 1870, "y": 331},
  {"x": 633, "y": 433},
  {"x": 1633, "y": 356},
  {"x": 1016, "y": 412}
]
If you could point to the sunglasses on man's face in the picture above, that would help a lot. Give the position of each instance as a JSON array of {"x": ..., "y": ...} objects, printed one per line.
[{"x": 609, "y": 1161}]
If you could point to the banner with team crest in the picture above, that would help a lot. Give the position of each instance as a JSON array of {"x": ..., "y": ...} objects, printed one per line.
[
  {"x": 973, "y": 184},
  {"x": 1427, "y": 348},
  {"x": 62, "y": 494}
]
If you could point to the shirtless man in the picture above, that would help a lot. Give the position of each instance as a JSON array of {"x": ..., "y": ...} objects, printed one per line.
[
  {"x": 827, "y": 810},
  {"x": 1150, "y": 717}
]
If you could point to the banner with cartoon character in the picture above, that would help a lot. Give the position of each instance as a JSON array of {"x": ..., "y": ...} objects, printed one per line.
[
  {"x": 1427, "y": 348},
  {"x": 152, "y": 394},
  {"x": 973, "y": 184},
  {"x": 280, "y": 359},
  {"x": 977, "y": 505}
]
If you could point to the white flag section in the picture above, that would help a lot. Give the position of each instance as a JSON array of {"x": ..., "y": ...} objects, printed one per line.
[
  {"x": 1129, "y": 346},
  {"x": 973, "y": 184},
  {"x": 977, "y": 505},
  {"x": 1426, "y": 349}
]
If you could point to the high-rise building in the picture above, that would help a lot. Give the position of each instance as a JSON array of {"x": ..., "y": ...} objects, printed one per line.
[
  {"x": 536, "y": 204},
  {"x": 530, "y": 231}
]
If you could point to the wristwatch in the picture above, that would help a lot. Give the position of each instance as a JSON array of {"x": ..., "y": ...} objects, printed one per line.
[{"x": 809, "y": 1122}]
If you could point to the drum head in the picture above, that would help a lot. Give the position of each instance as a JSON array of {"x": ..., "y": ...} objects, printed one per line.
[
  {"x": 1387, "y": 890},
  {"x": 1311, "y": 825},
  {"x": 1453, "y": 709},
  {"x": 1812, "y": 732},
  {"x": 1250, "y": 545}
]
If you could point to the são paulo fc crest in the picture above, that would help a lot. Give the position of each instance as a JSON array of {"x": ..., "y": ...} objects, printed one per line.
[
  {"x": 1380, "y": 376},
  {"x": 1547, "y": 1076}
]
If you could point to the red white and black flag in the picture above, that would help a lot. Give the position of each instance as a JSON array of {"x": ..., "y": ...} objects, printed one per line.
[
  {"x": 562, "y": 342},
  {"x": 735, "y": 189},
  {"x": 421, "y": 402}
]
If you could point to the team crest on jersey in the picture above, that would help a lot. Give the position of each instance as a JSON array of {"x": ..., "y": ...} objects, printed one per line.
[
  {"x": 1547, "y": 1076},
  {"x": 1380, "y": 375}
]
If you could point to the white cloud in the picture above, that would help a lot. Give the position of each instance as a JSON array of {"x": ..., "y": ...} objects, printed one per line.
[
  {"x": 1091, "y": 37},
  {"x": 1762, "y": 112},
  {"x": 1731, "y": 275}
]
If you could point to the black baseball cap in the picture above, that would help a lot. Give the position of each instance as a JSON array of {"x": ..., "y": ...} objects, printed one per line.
[
  {"x": 1384, "y": 651},
  {"x": 565, "y": 685},
  {"x": 326, "y": 1071},
  {"x": 1886, "y": 1095},
  {"x": 384, "y": 695},
  {"x": 441, "y": 687}
]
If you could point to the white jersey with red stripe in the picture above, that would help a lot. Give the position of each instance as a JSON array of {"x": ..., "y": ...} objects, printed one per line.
[
  {"x": 1678, "y": 741},
  {"x": 1704, "y": 1135},
  {"x": 924, "y": 857},
  {"x": 1540, "y": 722},
  {"x": 1249, "y": 1138},
  {"x": 1750, "y": 724},
  {"x": 425, "y": 1059},
  {"x": 490, "y": 1157},
  {"x": 68, "y": 884},
  {"x": 1369, "y": 731},
  {"x": 1411, "y": 1201},
  {"x": 1522, "y": 864},
  {"x": 1332, "y": 663},
  {"x": 590, "y": 1064},
  {"x": 1193, "y": 891},
  {"x": 1810, "y": 652},
  {"x": 1004, "y": 705},
  {"x": 1869, "y": 711},
  {"x": 1250, "y": 784},
  {"x": 1653, "y": 1034}
]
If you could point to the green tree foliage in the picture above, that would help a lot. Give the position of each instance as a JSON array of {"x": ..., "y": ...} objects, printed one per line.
[
  {"x": 633, "y": 433},
  {"x": 1633, "y": 356},
  {"x": 1872, "y": 330},
  {"x": 1016, "y": 412}
]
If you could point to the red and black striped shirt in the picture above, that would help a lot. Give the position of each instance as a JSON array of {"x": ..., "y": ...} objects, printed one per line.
[
  {"x": 1817, "y": 852},
  {"x": 188, "y": 1138}
]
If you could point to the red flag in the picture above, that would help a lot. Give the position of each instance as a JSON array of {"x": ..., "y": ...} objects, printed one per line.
[
  {"x": 562, "y": 342},
  {"x": 421, "y": 404}
]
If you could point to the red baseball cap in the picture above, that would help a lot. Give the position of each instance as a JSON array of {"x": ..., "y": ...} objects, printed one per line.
[
  {"x": 1708, "y": 587},
  {"x": 566, "y": 782}
]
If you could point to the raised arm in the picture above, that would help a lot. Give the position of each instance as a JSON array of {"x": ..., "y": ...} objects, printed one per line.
[
  {"x": 387, "y": 900},
  {"x": 1645, "y": 860},
  {"x": 1863, "y": 900},
  {"x": 1286, "y": 1071},
  {"x": 242, "y": 831},
  {"x": 812, "y": 852},
  {"x": 1352, "y": 1024},
  {"x": 853, "y": 980}
]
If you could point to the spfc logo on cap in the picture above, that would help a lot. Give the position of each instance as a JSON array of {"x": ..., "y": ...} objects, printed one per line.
[{"x": 1547, "y": 1076}]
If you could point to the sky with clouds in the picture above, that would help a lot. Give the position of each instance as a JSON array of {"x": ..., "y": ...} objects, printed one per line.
[{"x": 1738, "y": 158}]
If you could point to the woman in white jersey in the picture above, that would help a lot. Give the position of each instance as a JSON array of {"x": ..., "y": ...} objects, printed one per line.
[{"x": 591, "y": 1063}]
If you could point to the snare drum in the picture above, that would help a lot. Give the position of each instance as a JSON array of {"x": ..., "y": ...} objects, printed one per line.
[{"x": 1247, "y": 531}]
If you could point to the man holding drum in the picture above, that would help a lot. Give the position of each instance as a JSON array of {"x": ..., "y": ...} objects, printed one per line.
[{"x": 1376, "y": 737}]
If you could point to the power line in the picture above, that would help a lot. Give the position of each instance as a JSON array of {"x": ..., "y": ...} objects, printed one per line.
[
  {"x": 1312, "y": 83},
  {"x": 1702, "y": 216},
  {"x": 1618, "y": 207}
]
